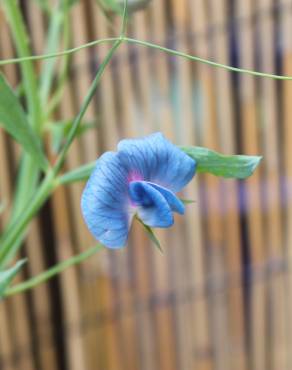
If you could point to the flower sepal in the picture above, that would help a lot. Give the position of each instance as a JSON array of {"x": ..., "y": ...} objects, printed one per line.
[{"x": 151, "y": 235}]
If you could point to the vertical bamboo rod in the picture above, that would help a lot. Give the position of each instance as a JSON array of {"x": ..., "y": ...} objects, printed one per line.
[
  {"x": 212, "y": 205},
  {"x": 252, "y": 211},
  {"x": 270, "y": 134},
  {"x": 227, "y": 138},
  {"x": 285, "y": 22}
]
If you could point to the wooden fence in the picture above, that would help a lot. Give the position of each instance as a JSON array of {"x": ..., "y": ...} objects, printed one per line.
[{"x": 220, "y": 298}]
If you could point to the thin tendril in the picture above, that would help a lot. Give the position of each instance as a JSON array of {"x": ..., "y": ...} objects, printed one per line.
[
  {"x": 153, "y": 46},
  {"x": 58, "y": 54}
]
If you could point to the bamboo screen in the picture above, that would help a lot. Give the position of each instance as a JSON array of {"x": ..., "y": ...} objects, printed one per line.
[{"x": 221, "y": 295}]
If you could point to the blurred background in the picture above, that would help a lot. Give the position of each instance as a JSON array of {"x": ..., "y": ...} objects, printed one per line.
[{"x": 220, "y": 297}]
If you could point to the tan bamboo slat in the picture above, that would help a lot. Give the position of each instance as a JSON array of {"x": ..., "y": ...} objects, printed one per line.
[
  {"x": 249, "y": 138},
  {"x": 69, "y": 286},
  {"x": 286, "y": 51},
  {"x": 270, "y": 134},
  {"x": 214, "y": 240},
  {"x": 227, "y": 128},
  {"x": 6, "y": 343},
  {"x": 193, "y": 341}
]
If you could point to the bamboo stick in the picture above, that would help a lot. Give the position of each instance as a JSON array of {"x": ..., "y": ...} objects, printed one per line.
[
  {"x": 227, "y": 139},
  {"x": 272, "y": 188},
  {"x": 211, "y": 204},
  {"x": 286, "y": 140},
  {"x": 250, "y": 144}
]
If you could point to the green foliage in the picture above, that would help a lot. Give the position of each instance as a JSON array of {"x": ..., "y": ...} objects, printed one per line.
[
  {"x": 151, "y": 235},
  {"x": 60, "y": 130},
  {"x": 44, "y": 5},
  {"x": 2, "y": 207},
  {"x": 187, "y": 201},
  {"x": 13, "y": 119},
  {"x": 228, "y": 166},
  {"x": 117, "y": 6},
  {"x": 6, "y": 276},
  {"x": 78, "y": 174}
]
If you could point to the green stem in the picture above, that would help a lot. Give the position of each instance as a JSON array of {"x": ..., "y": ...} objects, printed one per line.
[
  {"x": 63, "y": 74},
  {"x": 53, "y": 271},
  {"x": 29, "y": 173},
  {"x": 125, "y": 19},
  {"x": 58, "y": 54},
  {"x": 206, "y": 61},
  {"x": 16, "y": 230},
  {"x": 47, "y": 72},
  {"x": 153, "y": 46},
  {"x": 87, "y": 100},
  {"x": 28, "y": 177}
]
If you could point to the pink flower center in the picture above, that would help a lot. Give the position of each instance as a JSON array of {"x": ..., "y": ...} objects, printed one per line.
[{"x": 134, "y": 176}]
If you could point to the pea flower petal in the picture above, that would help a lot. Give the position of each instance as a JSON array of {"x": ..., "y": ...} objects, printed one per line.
[
  {"x": 157, "y": 160},
  {"x": 152, "y": 207},
  {"x": 139, "y": 179}
]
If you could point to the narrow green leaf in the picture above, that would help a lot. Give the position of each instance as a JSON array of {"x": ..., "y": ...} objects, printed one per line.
[
  {"x": 79, "y": 174},
  {"x": 2, "y": 207},
  {"x": 151, "y": 235},
  {"x": 187, "y": 201},
  {"x": 13, "y": 119},
  {"x": 59, "y": 131},
  {"x": 6, "y": 276},
  {"x": 228, "y": 166}
]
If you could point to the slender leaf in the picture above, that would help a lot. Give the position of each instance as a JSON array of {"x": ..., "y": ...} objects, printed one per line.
[
  {"x": 44, "y": 5},
  {"x": 79, "y": 174},
  {"x": 6, "y": 276},
  {"x": 2, "y": 207},
  {"x": 151, "y": 235},
  {"x": 228, "y": 166},
  {"x": 59, "y": 131},
  {"x": 13, "y": 119},
  {"x": 187, "y": 201}
]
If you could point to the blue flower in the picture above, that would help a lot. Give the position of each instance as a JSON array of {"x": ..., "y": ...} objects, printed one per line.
[{"x": 140, "y": 179}]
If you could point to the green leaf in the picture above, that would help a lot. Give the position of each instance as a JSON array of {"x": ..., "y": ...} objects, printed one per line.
[
  {"x": 13, "y": 119},
  {"x": 6, "y": 276},
  {"x": 2, "y": 207},
  {"x": 151, "y": 235},
  {"x": 187, "y": 201},
  {"x": 60, "y": 130},
  {"x": 228, "y": 166},
  {"x": 44, "y": 5},
  {"x": 79, "y": 174}
]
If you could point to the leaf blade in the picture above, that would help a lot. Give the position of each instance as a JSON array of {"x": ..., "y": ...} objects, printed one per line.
[
  {"x": 78, "y": 174},
  {"x": 227, "y": 166},
  {"x": 7, "y": 276},
  {"x": 151, "y": 235},
  {"x": 13, "y": 119}
]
